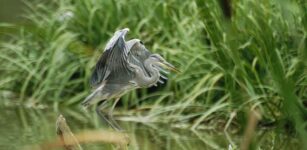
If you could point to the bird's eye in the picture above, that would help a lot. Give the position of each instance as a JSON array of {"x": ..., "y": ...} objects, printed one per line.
[{"x": 142, "y": 42}]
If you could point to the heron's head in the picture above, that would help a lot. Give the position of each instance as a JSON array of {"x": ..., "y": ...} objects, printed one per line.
[{"x": 161, "y": 62}]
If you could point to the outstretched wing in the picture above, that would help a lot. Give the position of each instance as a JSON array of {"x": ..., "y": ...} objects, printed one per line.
[{"x": 113, "y": 62}]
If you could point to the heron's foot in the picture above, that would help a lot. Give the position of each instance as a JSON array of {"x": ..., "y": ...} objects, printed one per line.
[
  {"x": 109, "y": 120},
  {"x": 133, "y": 66},
  {"x": 133, "y": 83},
  {"x": 114, "y": 124}
]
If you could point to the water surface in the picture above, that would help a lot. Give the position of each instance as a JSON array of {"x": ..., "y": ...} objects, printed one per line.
[{"x": 21, "y": 127}]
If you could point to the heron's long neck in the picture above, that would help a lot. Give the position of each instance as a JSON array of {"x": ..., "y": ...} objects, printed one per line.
[{"x": 153, "y": 72}]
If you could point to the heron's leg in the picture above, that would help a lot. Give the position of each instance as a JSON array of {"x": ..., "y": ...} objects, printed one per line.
[
  {"x": 105, "y": 117},
  {"x": 101, "y": 114},
  {"x": 110, "y": 116},
  {"x": 112, "y": 108},
  {"x": 117, "y": 127}
]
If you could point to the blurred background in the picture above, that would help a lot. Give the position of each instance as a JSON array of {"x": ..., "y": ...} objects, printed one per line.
[{"x": 243, "y": 80}]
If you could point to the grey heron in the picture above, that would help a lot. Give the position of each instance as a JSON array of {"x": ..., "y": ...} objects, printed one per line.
[{"x": 122, "y": 67}]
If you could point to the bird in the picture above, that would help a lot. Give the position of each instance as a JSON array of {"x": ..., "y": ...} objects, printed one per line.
[
  {"x": 153, "y": 64},
  {"x": 122, "y": 67}
]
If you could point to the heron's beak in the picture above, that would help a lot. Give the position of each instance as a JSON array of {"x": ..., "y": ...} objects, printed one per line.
[{"x": 169, "y": 66}]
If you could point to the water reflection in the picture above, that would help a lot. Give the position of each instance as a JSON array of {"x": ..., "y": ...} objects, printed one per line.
[{"x": 22, "y": 127}]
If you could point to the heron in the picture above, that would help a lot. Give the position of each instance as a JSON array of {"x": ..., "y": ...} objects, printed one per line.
[{"x": 122, "y": 67}]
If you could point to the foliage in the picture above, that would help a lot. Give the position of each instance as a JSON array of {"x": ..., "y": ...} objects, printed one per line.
[{"x": 254, "y": 60}]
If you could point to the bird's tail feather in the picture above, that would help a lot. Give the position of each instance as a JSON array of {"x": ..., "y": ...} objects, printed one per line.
[
  {"x": 88, "y": 99},
  {"x": 91, "y": 98}
]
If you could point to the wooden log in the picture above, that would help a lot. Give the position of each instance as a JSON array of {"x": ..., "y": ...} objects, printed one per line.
[{"x": 68, "y": 140}]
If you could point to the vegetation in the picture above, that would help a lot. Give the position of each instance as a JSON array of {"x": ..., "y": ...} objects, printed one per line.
[{"x": 254, "y": 59}]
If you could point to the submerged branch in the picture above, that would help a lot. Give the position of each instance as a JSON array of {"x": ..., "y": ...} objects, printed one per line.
[
  {"x": 71, "y": 141},
  {"x": 68, "y": 140}
]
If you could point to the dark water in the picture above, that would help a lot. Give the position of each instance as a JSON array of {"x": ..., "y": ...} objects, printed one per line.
[{"x": 22, "y": 127}]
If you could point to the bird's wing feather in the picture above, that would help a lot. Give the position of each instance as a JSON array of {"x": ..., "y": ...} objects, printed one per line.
[
  {"x": 118, "y": 64},
  {"x": 113, "y": 60},
  {"x": 100, "y": 71}
]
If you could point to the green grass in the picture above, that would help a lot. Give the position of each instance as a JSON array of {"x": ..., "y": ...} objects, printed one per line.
[{"x": 255, "y": 60}]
